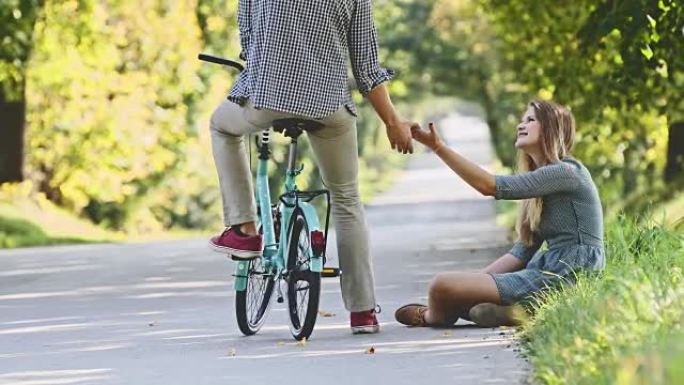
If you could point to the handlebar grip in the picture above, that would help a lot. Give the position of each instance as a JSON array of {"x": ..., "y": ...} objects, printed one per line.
[{"x": 220, "y": 60}]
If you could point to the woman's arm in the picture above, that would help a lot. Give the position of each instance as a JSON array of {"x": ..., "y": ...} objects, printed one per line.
[
  {"x": 474, "y": 175},
  {"x": 505, "y": 264}
]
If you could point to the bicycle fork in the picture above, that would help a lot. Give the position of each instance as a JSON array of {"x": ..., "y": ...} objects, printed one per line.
[{"x": 264, "y": 202}]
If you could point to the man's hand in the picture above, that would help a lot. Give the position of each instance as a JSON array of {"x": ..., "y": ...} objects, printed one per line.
[
  {"x": 399, "y": 135},
  {"x": 428, "y": 138},
  {"x": 398, "y": 129}
]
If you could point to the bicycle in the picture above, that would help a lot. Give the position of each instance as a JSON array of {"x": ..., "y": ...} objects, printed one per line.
[{"x": 294, "y": 241}]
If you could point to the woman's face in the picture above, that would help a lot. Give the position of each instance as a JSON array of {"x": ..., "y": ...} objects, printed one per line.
[{"x": 528, "y": 132}]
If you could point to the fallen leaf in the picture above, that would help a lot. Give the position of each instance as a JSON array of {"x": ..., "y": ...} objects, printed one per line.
[
  {"x": 370, "y": 350},
  {"x": 324, "y": 313},
  {"x": 281, "y": 343},
  {"x": 446, "y": 334},
  {"x": 232, "y": 352},
  {"x": 152, "y": 323},
  {"x": 302, "y": 342}
]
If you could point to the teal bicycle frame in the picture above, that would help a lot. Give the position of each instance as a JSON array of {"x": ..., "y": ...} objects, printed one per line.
[{"x": 275, "y": 254}]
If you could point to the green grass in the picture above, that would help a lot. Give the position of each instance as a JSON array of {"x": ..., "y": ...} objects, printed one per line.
[
  {"x": 673, "y": 210},
  {"x": 623, "y": 326},
  {"x": 16, "y": 232},
  {"x": 30, "y": 221}
]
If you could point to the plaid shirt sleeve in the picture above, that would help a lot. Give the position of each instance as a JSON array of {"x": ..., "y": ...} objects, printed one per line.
[
  {"x": 244, "y": 26},
  {"x": 363, "y": 49}
]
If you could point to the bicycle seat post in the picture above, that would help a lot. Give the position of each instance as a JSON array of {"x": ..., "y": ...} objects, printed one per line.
[
  {"x": 293, "y": 128},
  {"x": 292, "y": 156}
]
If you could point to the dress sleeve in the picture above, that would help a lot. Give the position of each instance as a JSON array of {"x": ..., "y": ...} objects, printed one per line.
[
  {"x": 546, "y": 180},
  {"x": 525, "y": 252},
  {"x": 244, "y": 26},
  {"x": 363, "y": 49}
]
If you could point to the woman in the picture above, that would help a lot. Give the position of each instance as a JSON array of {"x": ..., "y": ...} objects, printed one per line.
[{"x": 560, "y": 206}]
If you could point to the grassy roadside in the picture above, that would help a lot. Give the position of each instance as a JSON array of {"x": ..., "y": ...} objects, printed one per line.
[
  {"x": 29, "y": 220},
  {"x": 623, "y": 327}
]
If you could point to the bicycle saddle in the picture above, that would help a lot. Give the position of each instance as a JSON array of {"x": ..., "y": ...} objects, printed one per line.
[{"x": 293, "y": 127}]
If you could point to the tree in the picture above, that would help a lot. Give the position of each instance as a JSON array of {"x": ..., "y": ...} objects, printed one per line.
[
  {"x": 17, "y": 20},
  {"x": 651, "y": 48}
]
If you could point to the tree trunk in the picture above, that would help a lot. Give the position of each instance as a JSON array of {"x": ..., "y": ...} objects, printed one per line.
[
  {"x": 674, "y": 170},
  {"x": 12, "y": 120}
]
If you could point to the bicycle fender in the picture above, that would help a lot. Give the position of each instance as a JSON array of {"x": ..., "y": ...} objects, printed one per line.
[
  {"x": 314, "y": 225},
  {"x": 241, "y": 269}
]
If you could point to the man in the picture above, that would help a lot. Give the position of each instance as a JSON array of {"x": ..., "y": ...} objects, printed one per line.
[{"x": 296, "y": 66}]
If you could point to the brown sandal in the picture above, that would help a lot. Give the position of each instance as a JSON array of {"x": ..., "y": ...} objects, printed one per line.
[{"x": 412, "y": 315}]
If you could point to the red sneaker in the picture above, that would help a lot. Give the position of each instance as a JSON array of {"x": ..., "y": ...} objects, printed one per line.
[
  {"x": 239, "y": 246},
  {"x": 364, "y": 322}
]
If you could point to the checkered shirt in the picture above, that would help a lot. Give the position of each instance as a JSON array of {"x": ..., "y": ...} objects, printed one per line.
[{"x": 296, "y": 54}]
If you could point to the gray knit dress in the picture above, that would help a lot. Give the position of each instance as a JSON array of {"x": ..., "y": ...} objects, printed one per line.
[{"x": 571, "y": 225}]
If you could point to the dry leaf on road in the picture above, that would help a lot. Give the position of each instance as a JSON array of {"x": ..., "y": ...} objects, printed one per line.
[{"x": 324, "y": 313}]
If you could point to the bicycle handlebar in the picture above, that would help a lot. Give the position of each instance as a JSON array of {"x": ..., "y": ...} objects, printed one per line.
[{"x": 219, "y": 60}]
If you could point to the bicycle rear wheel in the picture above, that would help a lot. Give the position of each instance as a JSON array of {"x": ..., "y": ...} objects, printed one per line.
[
  {"x": 303, "y": 285},
  {"x": 252, "y": 304}
]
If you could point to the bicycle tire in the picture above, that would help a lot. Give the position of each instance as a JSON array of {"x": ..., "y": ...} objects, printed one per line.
[
  {"x": 303, "y": 285},
  {"x": 252, "y": 304}
]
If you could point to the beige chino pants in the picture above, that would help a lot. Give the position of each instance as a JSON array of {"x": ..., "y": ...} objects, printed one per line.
[{"x": 336, "y": 150}]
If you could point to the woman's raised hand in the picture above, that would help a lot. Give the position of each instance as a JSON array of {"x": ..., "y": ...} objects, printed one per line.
[{"x": 429, "y": 139}]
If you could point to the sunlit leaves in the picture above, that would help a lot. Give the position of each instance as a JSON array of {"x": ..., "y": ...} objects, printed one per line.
[
  {"x": 17, "y": 18},
  {"x": 108, "y": 114}
]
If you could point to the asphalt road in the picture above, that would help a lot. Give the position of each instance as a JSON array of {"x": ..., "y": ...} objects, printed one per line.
[{"x": 163, "y": 313}]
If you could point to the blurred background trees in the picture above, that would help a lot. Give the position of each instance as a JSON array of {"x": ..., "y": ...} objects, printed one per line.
[
  {"x": 104, "y": 108},
  {"x": 617, "y": 64},
  {"x": 18, "y": 23}
]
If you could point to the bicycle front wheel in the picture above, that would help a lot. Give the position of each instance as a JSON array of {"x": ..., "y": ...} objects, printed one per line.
[
  {"x": 303, "y": 285},
  {"x": 251, "y": 305}
]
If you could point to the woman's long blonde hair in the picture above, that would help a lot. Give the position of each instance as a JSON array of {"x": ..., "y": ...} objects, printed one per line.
[{"x": 556, "y": 137}]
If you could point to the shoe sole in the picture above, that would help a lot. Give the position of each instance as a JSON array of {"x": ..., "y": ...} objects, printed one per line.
[
  {"x": 406, "y": 322},
  {"x": 238, "y": 254},
  {"x": 495, "y": 316},
  {"x": 372, "y": 329}
]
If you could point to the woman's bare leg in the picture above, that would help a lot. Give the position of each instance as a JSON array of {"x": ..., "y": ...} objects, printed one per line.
[{"x": 451, "y": 295}]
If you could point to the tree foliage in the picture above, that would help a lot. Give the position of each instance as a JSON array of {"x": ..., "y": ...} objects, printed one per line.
[
  {"x": 118, "y": 106},
  {"x": 18, "y": 18},
  {"x": 109, "y": 88},
  {"x": 617, "y": 64}
]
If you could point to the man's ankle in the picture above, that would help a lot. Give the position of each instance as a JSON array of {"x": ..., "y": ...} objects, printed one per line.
[{"x": 246, "y": 229}]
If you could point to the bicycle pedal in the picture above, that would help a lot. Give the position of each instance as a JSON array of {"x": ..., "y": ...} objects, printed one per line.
[{"x": 331, "y": 272}]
